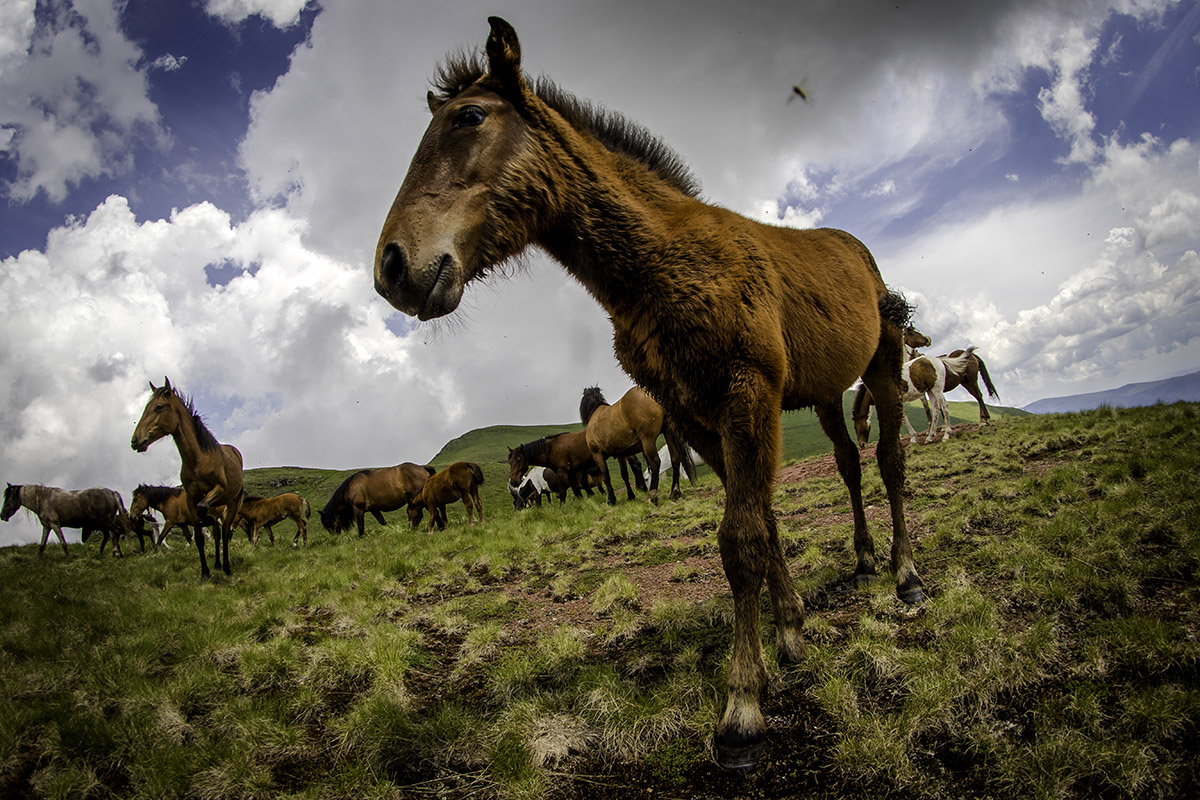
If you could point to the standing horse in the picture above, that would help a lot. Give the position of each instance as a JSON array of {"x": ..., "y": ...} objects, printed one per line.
[
  {"x": 969, "y": 380},
  {"x": 459, "y": 481},
  {"x": 95, "y": 509},
  {"x": 373, "y": 491},
  {"x": 257, "y": 513},
  {"x": 630, "y": 425},
  {"x": 784, "y": 318},
  {"x": 170, "y": 501},
  {"x": 211, "y": 472},
  {"x": 922, "y": 377}
]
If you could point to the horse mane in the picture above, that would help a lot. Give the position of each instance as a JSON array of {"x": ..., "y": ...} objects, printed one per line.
[
  {"x": 615, "y": 131},
  {"x": 157, "y": 495},
  {"x": 592, "y": 399},
  {"x": 337, "y": 506},
  {"x": 895, "y": 309},
  {"x": 537, "y": 447},
  {"x": 204, "y": 437}
]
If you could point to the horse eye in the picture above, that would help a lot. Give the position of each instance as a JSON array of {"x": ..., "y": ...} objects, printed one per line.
[{"x": 469, "y": 117}]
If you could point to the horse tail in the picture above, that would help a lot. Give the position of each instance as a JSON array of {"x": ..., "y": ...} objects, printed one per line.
[
  {"x": 123, "y": 515},
  {"x": 431, "y": 470},
  {"x": 895, "y": 309},
  {"x": 958, "y": 364},
  {"x": 477, "y": 473},
  {"x": 591, "y": 400},
  {"x": 305, "y": 508},
  {"x": 676, "y": 443},
  {"x": 987, "y": 379}
]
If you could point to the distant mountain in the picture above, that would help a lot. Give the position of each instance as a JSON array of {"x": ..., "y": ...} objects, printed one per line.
[{"x": 1171, "y": 390}]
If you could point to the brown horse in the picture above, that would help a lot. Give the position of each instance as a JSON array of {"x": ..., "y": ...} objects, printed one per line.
[
  {"x": 459, "y": 481},
  {"x": 258, "y": 513},
  {"x": 784, "y": 318},
  {"x": 969, "y": 380},
  {"x": 565, "y": 453},
  {"x": 373, "y": 491},
  {"x": 90, "y": 510},
  {"x": 627, "y": 427},
  {"x": 211, "y": 472},
  {"x": 170, "y": 501}
]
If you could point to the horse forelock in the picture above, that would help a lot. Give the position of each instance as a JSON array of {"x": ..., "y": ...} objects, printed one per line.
[
  {"x": 895, "y": 309},
  {"x": 612, "y": 129}
]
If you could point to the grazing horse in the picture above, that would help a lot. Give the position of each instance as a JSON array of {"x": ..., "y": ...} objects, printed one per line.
[
  {"x": 95, "y": 509},
  {"x": 565, "y": 453},
  {"x": 923, "y": 377},
  {"x": 373, "y": 491},
  {"x": 170, "y": 501},
  {"x": 211, "y": 472},
  {"x": 628, "y": 426},
  {"x": 257, "y": 513},
  {"x": 543, "y": 480},
  {"x": 459, "y": 481},
  {"x": 783, "y": 318}
]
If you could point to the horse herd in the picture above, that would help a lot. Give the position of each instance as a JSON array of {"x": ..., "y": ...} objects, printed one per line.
[{"x": 723, "y": 321}]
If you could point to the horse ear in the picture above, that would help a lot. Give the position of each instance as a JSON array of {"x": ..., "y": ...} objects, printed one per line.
[
  {"x": 153, "y": 388},
  {"x": 504, "y": 55},
  {"x": 434, "y": 102},
  {"x": 167, "y": 385}
]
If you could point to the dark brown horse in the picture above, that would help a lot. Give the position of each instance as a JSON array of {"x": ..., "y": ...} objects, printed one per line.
[
  {"x": 459, "y": 481},
  {"x": 627, "y": 427},
  {"x": 258, "y": 513},
  {"x": 784, "y": 318},
  {"x": 373, "y": 491},
  {"x": 211, "y": 472},
  {"x": 170, "y": 501},
  {"x": 565, "y": 453},
  {"x": 90, "y": 510}
]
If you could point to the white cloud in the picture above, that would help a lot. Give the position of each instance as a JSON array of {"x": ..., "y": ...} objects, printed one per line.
[
  {"x": 280, "y": 13},
  {"x": 74, "y": 102}
]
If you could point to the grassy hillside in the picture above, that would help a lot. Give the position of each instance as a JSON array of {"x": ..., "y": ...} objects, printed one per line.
[{"x": 580, "y": 652}]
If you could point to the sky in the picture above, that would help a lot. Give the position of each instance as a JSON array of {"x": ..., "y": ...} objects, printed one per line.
[{"x": 193, "y": 189}]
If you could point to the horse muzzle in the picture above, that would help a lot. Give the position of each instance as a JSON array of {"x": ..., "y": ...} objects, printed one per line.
[
  {"x": 430, "y": 290},
  {"x": 139, "y": 445}
]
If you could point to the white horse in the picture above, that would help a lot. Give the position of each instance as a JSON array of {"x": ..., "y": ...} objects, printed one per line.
[{"x": 664, "y": 462}]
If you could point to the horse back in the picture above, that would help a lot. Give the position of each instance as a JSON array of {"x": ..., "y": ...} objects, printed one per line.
[{"x": 94, "y": 507}]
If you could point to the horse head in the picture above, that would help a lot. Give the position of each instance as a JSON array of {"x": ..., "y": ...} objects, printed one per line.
[
  {"x": 159, "y": 418},
  {"x": 12, "y": 501},
  {"x": 446, "y": 226},
  {"x": 518, "y": 464}
]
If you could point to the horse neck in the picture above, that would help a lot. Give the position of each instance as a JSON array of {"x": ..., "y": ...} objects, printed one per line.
[
  {"x": 609, "y": 211},
  {"x": 184, "y": 435}
]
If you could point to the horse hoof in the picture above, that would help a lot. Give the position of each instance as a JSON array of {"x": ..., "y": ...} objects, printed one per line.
[
  {"x": 862, "y": 580},
  {"x": 912, "y": 595},
  {"x": 738, "y": 752}
]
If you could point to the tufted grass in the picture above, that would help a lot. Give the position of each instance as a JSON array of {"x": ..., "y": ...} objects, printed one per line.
[{"x": 1057, "y": 656}]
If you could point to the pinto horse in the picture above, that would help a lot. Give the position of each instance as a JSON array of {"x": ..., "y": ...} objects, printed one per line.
[
  {"x": 90, "y": 510},
  {"x": 373, "y": 491},
  {"x": 258, "y": 513},
  {"x": 784, "y": 318},
  {"x": 211, "y": 472},
  {"x": 170, "y": 501},
  {"x": 628, "y": 426},
  {"x": 459, "y": 481},
  {"x": 565, "y": 453},
  {"x": 969, "y": 380},
  {"x": 923, "y": 377}
]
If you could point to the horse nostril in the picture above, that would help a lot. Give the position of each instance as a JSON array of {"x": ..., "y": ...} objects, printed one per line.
[{"x": 393, "y": 266}]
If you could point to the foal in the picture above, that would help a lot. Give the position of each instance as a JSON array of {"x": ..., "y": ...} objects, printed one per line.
[{"x": 785, "y": 318}]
